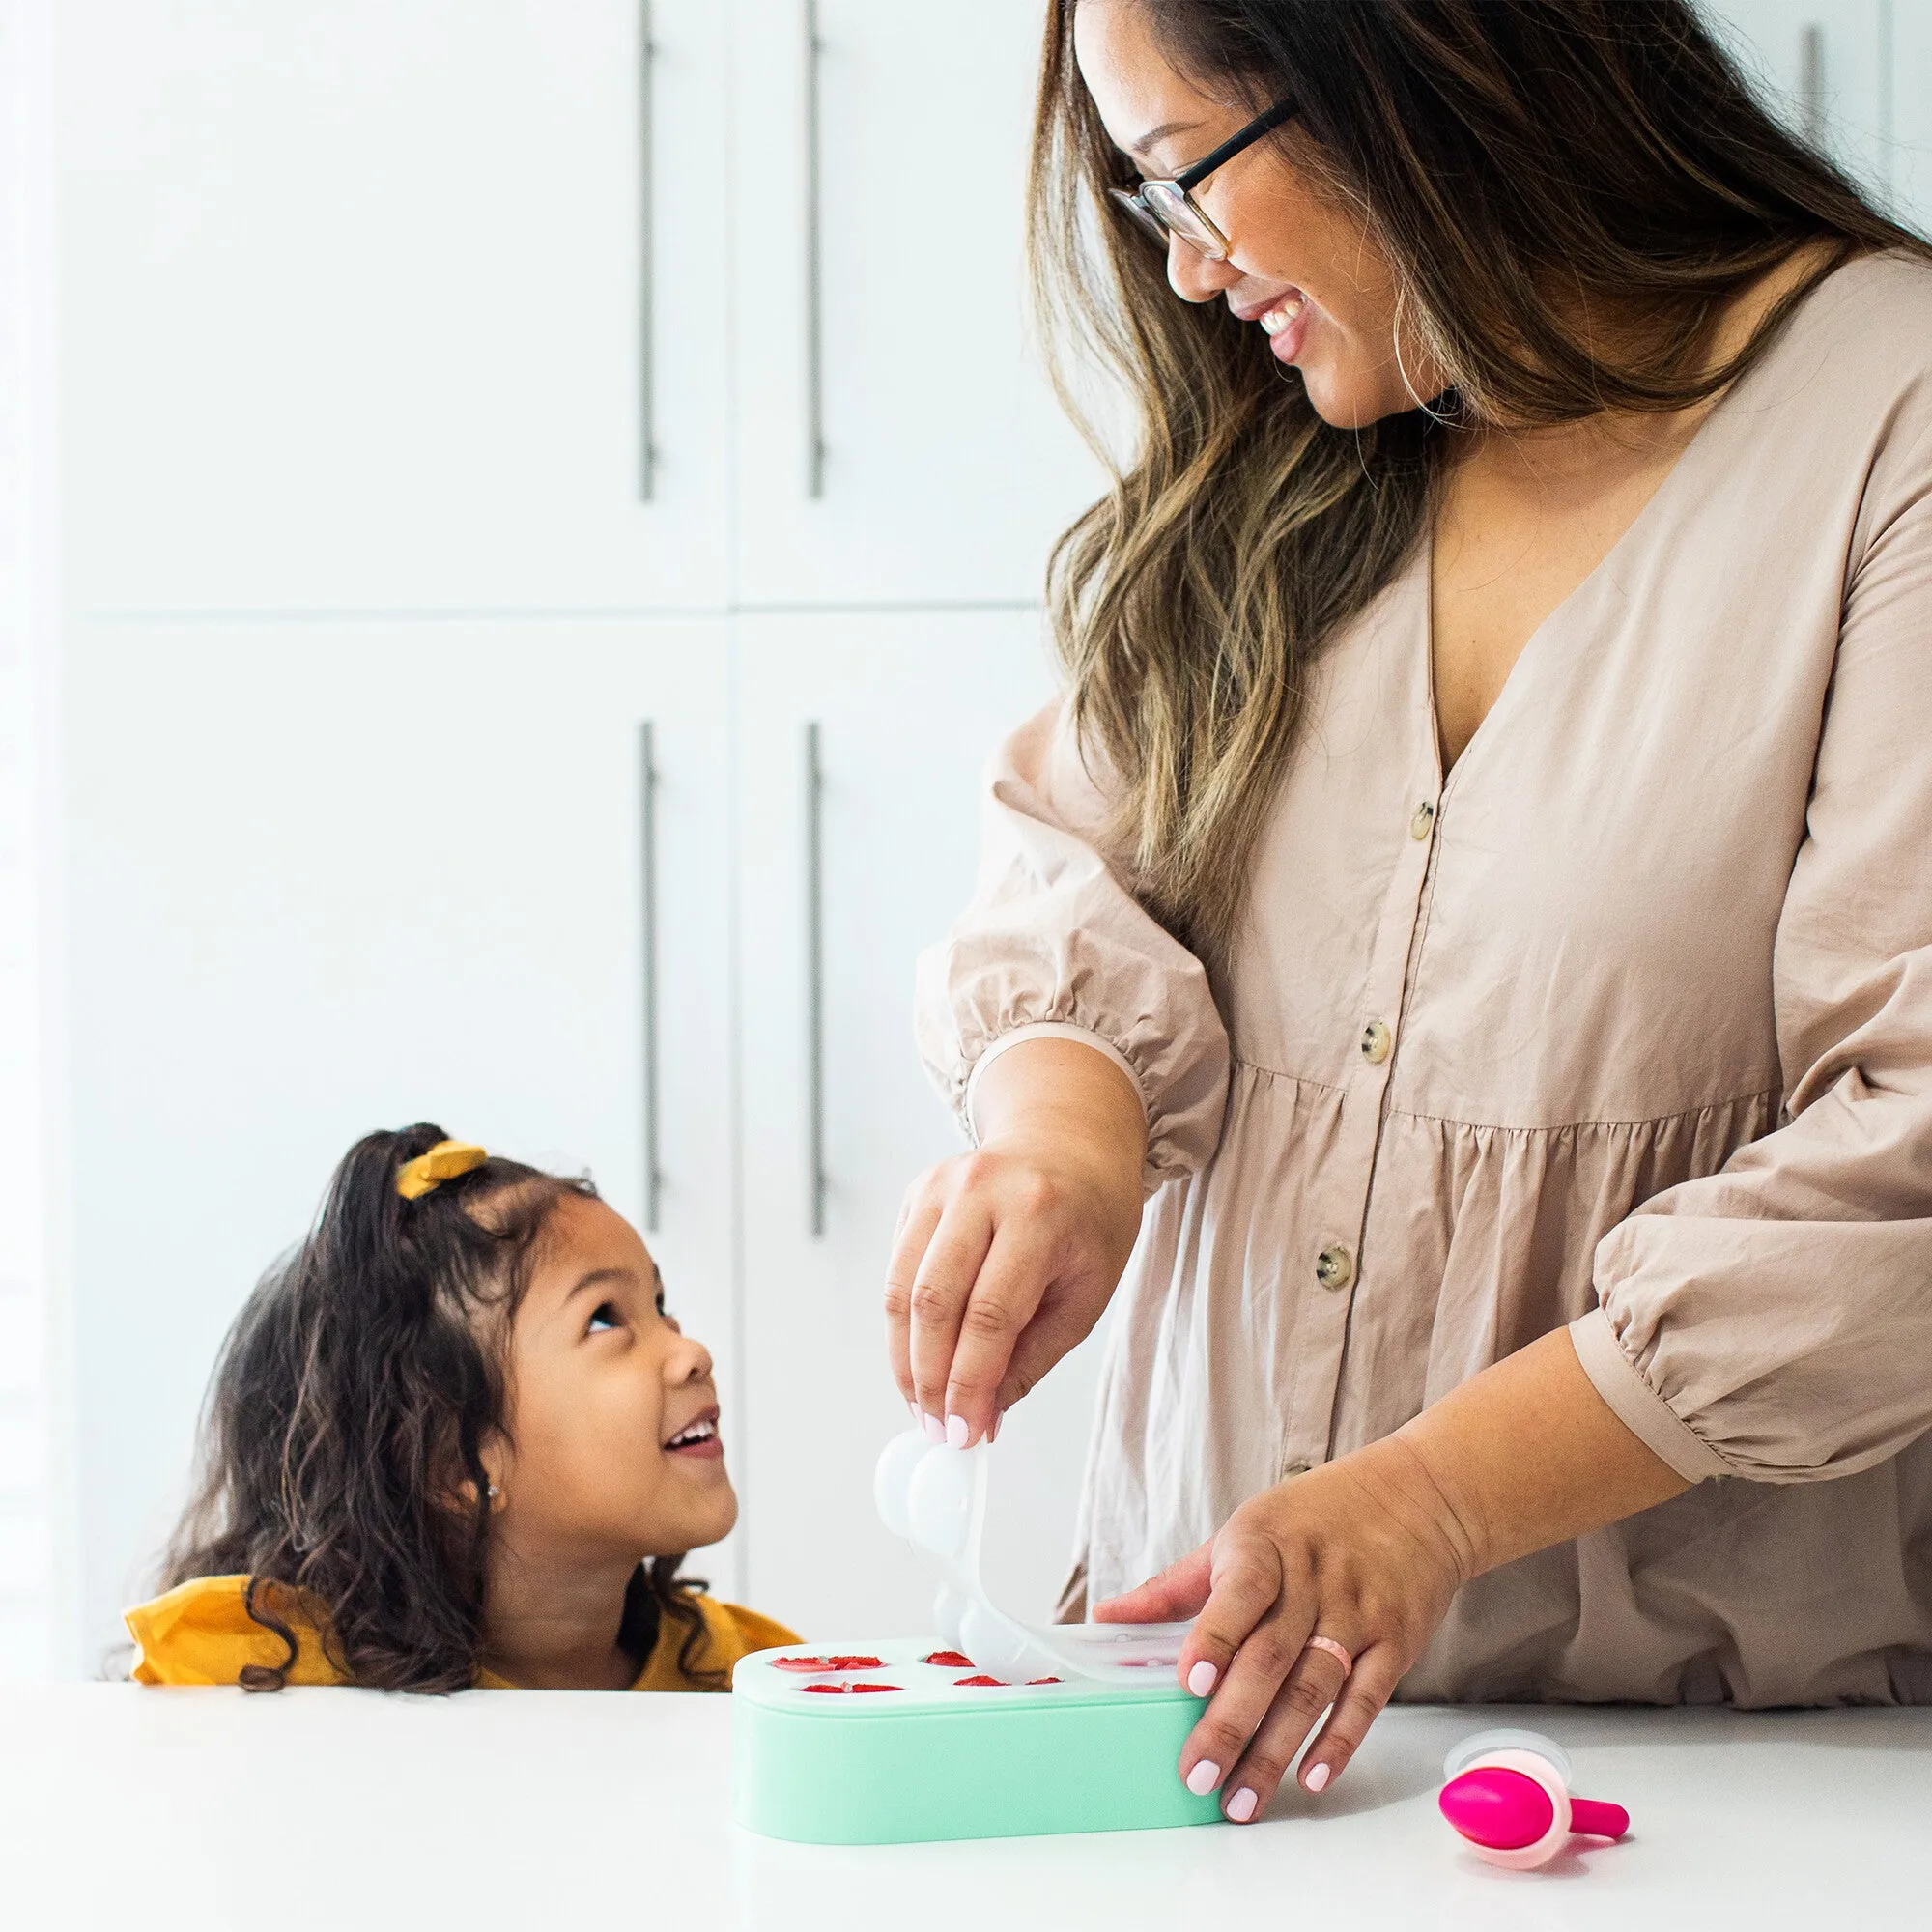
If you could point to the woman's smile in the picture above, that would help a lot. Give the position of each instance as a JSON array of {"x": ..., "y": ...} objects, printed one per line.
[
  {"x": 1284, "y": 321},
  {"x": 1283, "y": 316}
]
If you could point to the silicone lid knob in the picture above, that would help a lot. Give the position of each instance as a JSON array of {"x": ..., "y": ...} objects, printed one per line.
[{"x": 1503, "y": 1809}]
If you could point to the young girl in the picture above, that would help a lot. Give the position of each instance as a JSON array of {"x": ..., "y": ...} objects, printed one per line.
[{"x": 454, "y": 1439}]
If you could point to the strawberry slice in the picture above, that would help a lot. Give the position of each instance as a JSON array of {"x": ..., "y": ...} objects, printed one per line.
[
  {"x": 949, "y": 1659},
  {"x": 844, "y": 1689},
  {"x": 819, "y": 1667},
  {"x": 1042, "y": 1679},
  {"x": 981, "y": 1681}
]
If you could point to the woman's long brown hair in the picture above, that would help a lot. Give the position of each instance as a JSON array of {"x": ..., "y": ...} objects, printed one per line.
[
  {"x": 342, "y": 1445},
  {"x": 1527, "y": 165}
]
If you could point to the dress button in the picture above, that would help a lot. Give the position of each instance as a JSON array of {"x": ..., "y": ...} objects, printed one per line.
[
  {"x": 1377, "y": 1039},
  {"x": 1334, "y": 1266},
  {"x": 1425, "y": 817}
]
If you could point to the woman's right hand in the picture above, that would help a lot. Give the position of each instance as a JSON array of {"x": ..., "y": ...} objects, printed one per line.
[{"x": 1006, "y": 1257}]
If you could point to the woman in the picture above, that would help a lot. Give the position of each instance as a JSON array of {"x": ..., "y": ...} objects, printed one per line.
[{"x": 1479, "y": 883}]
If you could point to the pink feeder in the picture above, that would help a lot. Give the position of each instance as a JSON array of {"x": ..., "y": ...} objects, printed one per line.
[{"x": 1508, "y": 1793}]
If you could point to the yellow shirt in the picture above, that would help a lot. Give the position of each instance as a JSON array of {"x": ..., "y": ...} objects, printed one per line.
[{"x": 201, "y": 1633}]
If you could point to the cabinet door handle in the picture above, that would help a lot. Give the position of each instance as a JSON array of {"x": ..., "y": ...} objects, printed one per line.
[
  {"x": 647, "y": 294},
  {"x": 1812, "y": 83},
  {"x": 647, "y": 892},
  {"x": 814, "y": 322},
  {"x": 814, "y": 976}
]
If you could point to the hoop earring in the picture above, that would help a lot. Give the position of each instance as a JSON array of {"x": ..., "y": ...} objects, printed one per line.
[{"x": 1422, "y": 402}]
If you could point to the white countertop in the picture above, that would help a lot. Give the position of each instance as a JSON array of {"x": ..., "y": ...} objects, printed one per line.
[{"x": 133, "y": 1808}]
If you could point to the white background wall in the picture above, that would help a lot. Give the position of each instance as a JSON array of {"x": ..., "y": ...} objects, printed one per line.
[{"x": 35, "y": 1502}]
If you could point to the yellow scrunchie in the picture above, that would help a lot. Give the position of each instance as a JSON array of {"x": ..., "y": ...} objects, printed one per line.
[{"x": 445, "y": 1161}]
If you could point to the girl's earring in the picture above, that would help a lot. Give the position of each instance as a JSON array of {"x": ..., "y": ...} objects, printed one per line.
[{"x": 495, "y": 1492}]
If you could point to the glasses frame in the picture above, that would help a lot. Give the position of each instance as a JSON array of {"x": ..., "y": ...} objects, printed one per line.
[{"x": 1150, "y": 217}]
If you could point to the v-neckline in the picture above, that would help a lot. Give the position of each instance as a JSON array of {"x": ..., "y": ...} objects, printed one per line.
[
  {"x": 1445, "y": 772},
  {"x": 1668, "y": 484}
]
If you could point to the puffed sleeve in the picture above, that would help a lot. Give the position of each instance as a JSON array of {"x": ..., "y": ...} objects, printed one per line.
[
  {"x": 1775, "y": 1319},
  {"x": 1054, "y": 944}
]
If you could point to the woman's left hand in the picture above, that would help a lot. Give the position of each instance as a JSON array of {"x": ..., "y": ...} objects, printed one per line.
[{"x": 1365, "y": 1553}]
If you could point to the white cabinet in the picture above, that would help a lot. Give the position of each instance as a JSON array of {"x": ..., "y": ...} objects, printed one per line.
[
  {"x": 906, "y": 710},
  {"x": 325, "y": 879},
  {"x": 897, "y": 438},
  {"x": 370, "y": 315},
  {"x": 1859, "y": 75},
  {"x": 1824, "y": 62},
  {"x": 366, "y": 305},
  {"x": 432, "y": 306}
]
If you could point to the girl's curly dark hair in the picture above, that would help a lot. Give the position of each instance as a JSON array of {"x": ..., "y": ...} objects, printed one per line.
[{"x": 341, "y": 1453}]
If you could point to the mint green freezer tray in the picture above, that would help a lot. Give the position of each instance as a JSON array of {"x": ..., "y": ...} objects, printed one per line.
[{"x": 932, "y": 1759}]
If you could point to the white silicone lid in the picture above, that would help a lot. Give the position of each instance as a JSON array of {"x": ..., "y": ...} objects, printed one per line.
[
  {"x": 1483, "y": 1744},
  {"x": 936, "y": 1498}
]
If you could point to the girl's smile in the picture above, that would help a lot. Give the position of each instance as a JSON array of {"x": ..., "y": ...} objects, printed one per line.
[{"x": 698, "y": 1440}]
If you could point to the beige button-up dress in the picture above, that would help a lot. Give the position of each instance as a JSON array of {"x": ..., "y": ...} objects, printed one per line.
[{"x": 1627, "y": 1026}]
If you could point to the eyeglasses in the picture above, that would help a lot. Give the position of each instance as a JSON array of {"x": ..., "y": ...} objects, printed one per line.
[{"x": 1167, "y": 208}]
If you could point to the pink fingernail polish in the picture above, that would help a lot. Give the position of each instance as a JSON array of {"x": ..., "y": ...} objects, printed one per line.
[
  {"x": 1204, "y": 1777},
  {"x": 1242, "y": 1806},
  {"x": 956, "y": 1431},
  {"x": 934, "y": 1433},
  {"x": 1201, "y": 1679},
  {"x": 993, "y": 1433},
  {"x": 1314, "y": 1778}
]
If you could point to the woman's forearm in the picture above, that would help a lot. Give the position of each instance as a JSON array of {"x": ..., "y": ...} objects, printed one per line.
[
  {"x": 1067, "y": 1089},
  {"x": 1527, "y": 1454},
  {"x": 1007, "y": 1256}
]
